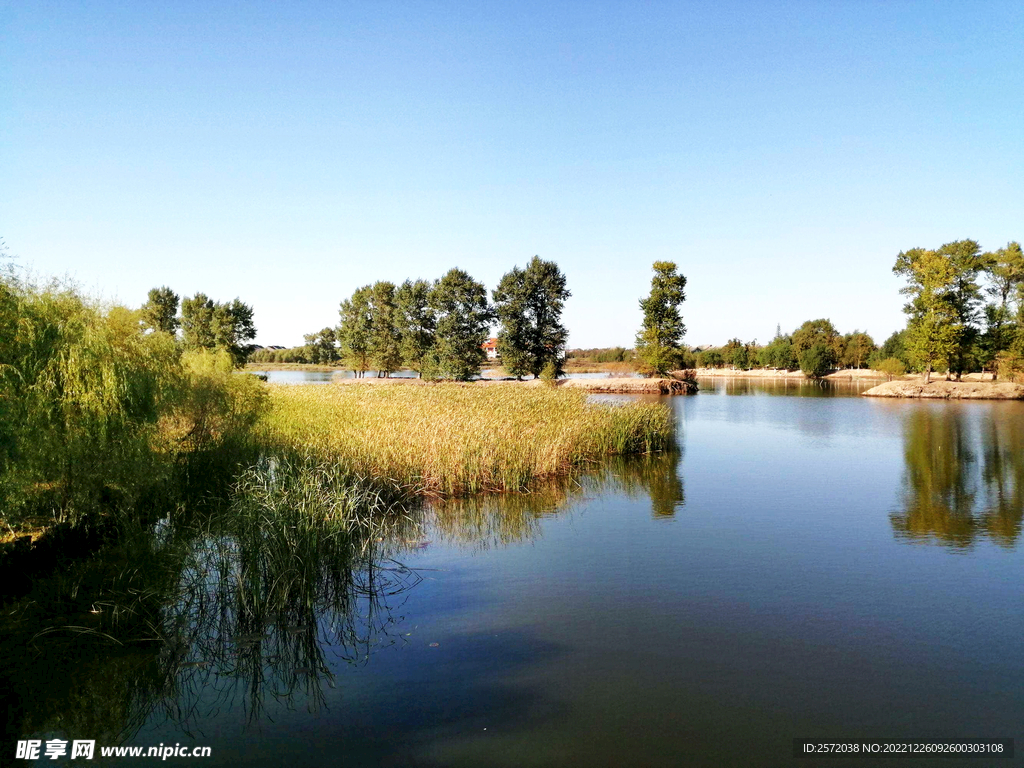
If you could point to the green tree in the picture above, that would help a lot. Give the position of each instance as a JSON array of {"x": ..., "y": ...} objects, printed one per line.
[
  {"x": 814, "y": 332},
  {"x": 735, "y": 353},
  {"x": 197, "y": 330},
  {"x": 385, "y": 337},
  {"x": 463, "y": 319},
  {"x": 891, "y": 367},
  {"x": 515, "y": 345},
  {"x": 1005, "y": 268},
  {"x": 858, "y": 349},
  {"x": 321, "y": 347},
  {"x": 528, "y": 303},
  {"x": 657, "y": 343},
  {"x": 779, "y": 354},
  {"x": 965, "y": 296},
  {"x": 817, "y": 361},
  {"x": 933, "y": 332},
  {"x": 233, "y": 330},
  {"x": 709, "y": 358},
  {"x": 895, "y": 346},
  {"x": 354, "y": 330},
  {"x": 416, "y": 322},
  {"x": 160, "y": 312}
]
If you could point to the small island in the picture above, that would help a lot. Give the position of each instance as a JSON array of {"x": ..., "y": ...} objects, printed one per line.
[{"x": 966, "y": 389}]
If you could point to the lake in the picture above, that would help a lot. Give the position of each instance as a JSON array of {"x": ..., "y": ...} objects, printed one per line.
[{"x": 808, "y": 564}]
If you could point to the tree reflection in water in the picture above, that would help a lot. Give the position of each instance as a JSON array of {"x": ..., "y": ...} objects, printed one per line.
[
  {"x": 486, "y": 521},
  {"x": 226, "y": 609},
  {"x": 189, "y": 618},
  {"x": 963, "y": 478}
]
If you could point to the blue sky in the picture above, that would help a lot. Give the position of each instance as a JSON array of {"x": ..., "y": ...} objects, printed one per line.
[{"x": 781, "y": 153}]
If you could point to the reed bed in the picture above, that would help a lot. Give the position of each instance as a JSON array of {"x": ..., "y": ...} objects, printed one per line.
[{"x": 450, "y": 439}]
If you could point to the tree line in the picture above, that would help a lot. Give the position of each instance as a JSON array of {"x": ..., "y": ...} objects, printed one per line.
[
  {"x": 816, "y": 348},
  {"x": 203, "y": 322},
  {"x": 438, "y": 328},
  {"x": 965, "y": 312}
]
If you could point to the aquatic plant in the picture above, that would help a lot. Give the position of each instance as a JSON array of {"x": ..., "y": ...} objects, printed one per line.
[{"x": 451, "y": 439}]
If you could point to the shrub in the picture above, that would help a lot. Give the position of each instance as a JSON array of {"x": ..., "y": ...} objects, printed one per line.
[
  {"x": 550, "y": 373},
  {"x": 1010, "y": 366},
  {"x": 891, "y": 367}
]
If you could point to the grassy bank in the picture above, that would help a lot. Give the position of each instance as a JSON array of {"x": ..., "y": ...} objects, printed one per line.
[{"x": 451, "y": 440}]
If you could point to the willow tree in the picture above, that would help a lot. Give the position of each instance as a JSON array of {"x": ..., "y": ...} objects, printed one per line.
[
  {"x": 657, "y": 343},
  {"x": 934, "y": 330}
]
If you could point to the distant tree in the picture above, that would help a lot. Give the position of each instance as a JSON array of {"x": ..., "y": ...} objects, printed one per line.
[
  {"x": 385, "y": 338},
  {"x": 735, "y": 352},
  {"x": 355, "y": 329},
  {"x": 779, "y": 354},
  {"x": 416, "y": 322},
  {"x": 710, "y": 358},
  {"x": 657, "y": 343},
  {"x": 528, "y": 304},
  {"x": 160, "y": 312},
  {"x": 322, "y": 347},
  {"x": 817, "y": 361},
  {"x": 858, "y": 349},
  {"x": 687, "y": 359},
  {"x": 933, "y": 332},
  {"x": 206, "y": 324},
  {"x": 234, "y": 329},
  {"x": 814, "y": 332},
  {"x": 895, "y": 346},
  {"x": 463, "y": 319},
  {"x": 197, "y": 322}
]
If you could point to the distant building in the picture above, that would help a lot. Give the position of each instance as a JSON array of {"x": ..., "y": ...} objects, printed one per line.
[{"x": 491, "y": 348}]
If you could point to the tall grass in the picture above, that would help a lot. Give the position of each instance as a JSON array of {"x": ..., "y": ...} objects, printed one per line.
[{"x": 452, "y": 439}]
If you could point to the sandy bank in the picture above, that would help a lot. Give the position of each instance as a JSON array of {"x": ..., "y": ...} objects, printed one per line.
[{"x": 949, "y": 390}]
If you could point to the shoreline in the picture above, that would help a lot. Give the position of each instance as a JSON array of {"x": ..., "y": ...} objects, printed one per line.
[{"x": 967, "y": 389}]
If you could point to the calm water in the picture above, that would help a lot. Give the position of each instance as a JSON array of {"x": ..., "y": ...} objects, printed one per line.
[{"x": 808, "y": 564}]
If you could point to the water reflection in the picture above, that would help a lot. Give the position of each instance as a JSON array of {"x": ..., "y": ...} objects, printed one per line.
[
  {"x": 794, "y": 387},
  {"x": 187, "y": 620},
  {"x": 487, "y": 521},
  {"x": 201, "y": 616},
  {"x": 963, "y": 478}
]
